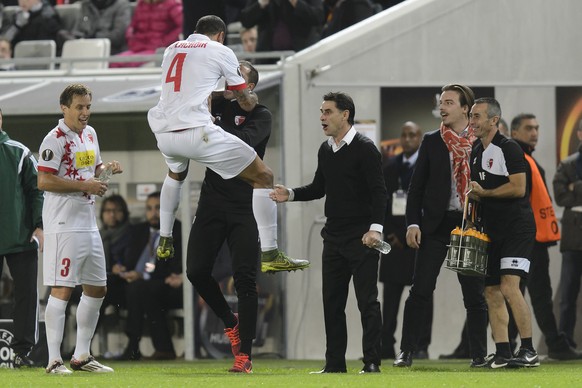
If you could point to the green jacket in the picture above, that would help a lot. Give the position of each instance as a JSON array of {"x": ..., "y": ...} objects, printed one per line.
[{"x": 20, "y": 198}]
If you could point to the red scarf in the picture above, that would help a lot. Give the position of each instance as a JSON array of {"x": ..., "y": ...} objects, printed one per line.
[{"x": 460, "y": 147}]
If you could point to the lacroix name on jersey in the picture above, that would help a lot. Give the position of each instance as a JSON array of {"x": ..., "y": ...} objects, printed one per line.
[
  {"x": 85, "y": 158},
  {"x": 191, "y": 44}
]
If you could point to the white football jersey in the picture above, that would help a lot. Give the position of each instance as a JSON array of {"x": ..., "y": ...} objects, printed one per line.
[
  {"x": 191, "y": 70},
  {"x": 73, "y": 157}
]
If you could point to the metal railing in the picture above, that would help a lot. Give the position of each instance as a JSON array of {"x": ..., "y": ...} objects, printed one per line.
[{"x": 153, "y": 61}]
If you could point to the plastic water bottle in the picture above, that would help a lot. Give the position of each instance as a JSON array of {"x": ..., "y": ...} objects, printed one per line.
[
  {"x": 382, "y": 246},
  {"x": 105, "y": 175}
]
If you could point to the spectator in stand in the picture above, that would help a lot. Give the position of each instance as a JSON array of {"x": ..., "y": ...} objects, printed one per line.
[
  {"x": 36, "y": 20},
  {"x": 101, "y": 19},
  {"x": 6, "y": 53},
  {"x": 284, "y": 24},
  {"x": 232, "y": 10},
  {"x": 344, "y": 13},
  {"x": 248, "y": 44},
  {"x": 194, "y": 10},
  {"x": 248, "y": 38},
  {"x": 155, "y": 24}
]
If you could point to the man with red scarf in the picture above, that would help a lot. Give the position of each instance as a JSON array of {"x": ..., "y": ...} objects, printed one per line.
[{"x": 434, "y": 208}]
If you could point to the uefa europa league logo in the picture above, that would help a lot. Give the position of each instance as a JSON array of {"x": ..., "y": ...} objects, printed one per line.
[{"x": 6, "y": 352}]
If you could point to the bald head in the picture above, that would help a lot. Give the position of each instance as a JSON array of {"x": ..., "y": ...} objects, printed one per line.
[{"x": 410, "y": 138}]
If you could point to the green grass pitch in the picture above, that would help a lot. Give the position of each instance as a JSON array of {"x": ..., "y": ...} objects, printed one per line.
[{"x": 295, "y": 373}]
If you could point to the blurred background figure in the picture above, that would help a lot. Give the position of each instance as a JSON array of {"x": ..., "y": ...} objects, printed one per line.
[
  {"x": 6, "y": 53},
  {"x": 284, "y": 24},
  {"x": 155, "y": 24},
  {"x": 343, "y": 13},
  {"x": 153, "y": 286},
  {"x": 36, "y": 20},
  {"x": 568, "y": 191},
  {"x": 248, "y": 38},
  {"x": 195, "y": 9},
  {"x": 397, "y": 267},
  {"x": 503, "y": 128},
  {"x": 115, "y": 230},
  {"x": 101, "y": 19}
]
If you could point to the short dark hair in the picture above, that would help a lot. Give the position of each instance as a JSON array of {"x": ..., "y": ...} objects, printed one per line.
[
  {"x": 516, "y": 122},
  {"x": 210, "y": 25},
  {"x": 253, "y": 73},
  {"x": 493, "y": 107},
  {"x": 119, "y": 201},
  {"x": 155, "y": 194},
  {"x": 74, "y": 90},
  {"x": 466, "y": 95},
  {"x": 343, "y": 102}
]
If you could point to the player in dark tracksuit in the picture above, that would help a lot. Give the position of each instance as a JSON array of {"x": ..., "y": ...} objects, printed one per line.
[
  {"x": 21, "y": 236},
  {"x": 225, "y": 212}
]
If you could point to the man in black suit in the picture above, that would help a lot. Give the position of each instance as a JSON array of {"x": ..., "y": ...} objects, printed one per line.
[
  {"x": 349, "y": 175},
  {"x": 397, "y": 267},
  {"x": 434, "y": 208},
  {"x": 153, "y": 286}
]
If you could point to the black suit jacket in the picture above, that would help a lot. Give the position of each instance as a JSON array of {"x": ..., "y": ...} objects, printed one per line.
[
  {"x": 139, "y": 238},
  {"x": 398, "y": 265},
  {"x": 430, "y": 187}
]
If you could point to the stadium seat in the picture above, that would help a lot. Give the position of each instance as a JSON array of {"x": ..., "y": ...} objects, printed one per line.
[
  {"x": 69, "y": 13},
  {"x": 86, "y": 48},
  {"x": 36, "y": 49}
]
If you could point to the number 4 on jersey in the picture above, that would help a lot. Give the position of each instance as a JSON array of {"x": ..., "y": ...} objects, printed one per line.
[{"x": 175, "y": 71}]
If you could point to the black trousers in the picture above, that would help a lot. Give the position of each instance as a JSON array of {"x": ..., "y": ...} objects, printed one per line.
[
  {"x": 539, "y": 287},
  {"x": 346, "y": 258},
  {"x": 24, "y": 270},
  {"x": 431, "y": 255},
  {"x": 148, "y": 301},
  {"x": 210, "y": 229},
  {"x": 570, "y": 283},
  {"x": 392, "y": 293}
]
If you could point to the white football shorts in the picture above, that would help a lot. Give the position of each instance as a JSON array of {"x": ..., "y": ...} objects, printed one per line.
[
  {"x": 73, "y": 258},
  {"x": 225, "y": 154}
]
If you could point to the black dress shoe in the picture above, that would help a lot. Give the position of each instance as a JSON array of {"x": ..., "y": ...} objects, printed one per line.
[
  {"x": 404, "y": 359},
  {"x": 328, "y": 370},
  {"x": 23, "y": 361},
  {"x": 129, "y": 355},
  {"x": 370, "y": 367},
  {"x": 421, "y": 355},
  {"x": 455, "y": 355},
  {"x": 478, "y": 362},
  {"x": 566, "y": 353}
]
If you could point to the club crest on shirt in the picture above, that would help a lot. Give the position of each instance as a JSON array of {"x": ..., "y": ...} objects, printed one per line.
[
  {"x": 47, "y": 155},
  {"x": 490, "y": 163},
  {"x": 238, "y": 120},
  {"x": 90, "y": 137}
]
